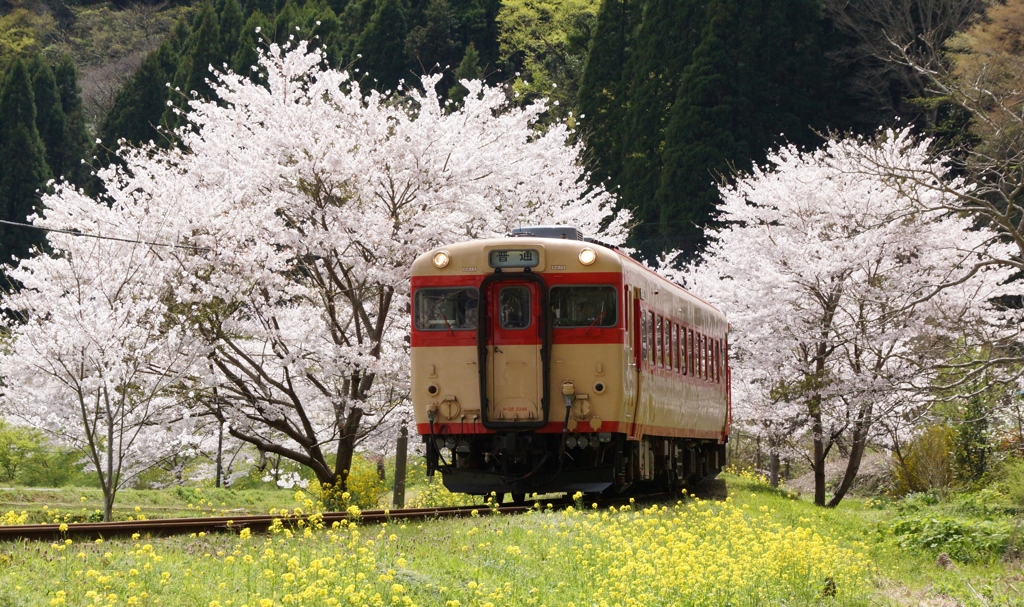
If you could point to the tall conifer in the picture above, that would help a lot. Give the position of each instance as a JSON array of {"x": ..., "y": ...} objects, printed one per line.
[
  {"x": 231, "y": 19},
  {"x": 382, "y": 46},
  {"x": 758, "y": 72},
  {"x": 201, "y": 50},
  {"x": 76, "y": 136},
  {"x": 23, "y": 170},
  {"x": 602, "y": 89},
  {"x": 249, "y": 42},
  {"x": 136, "y": 113},
  {"x": 668, "y": 34},
  {"x": 50, "y": 120}
]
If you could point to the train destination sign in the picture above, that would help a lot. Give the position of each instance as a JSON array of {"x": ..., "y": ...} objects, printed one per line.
[{"x": 514, "y": 258}]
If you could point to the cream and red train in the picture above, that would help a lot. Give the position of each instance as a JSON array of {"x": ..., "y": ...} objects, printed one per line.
[{"x": 544, "y": 362}]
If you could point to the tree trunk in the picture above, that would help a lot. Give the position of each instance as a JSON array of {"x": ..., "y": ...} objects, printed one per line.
[
  {"x": 346, "y": 448},
  {"x": 773, "y": 469},
  {"x": 108, "y": 504},
  {"x": 818, "y": 463},
  {"x": 220, "y": 454},
  {"x": 852, "y": 465}
]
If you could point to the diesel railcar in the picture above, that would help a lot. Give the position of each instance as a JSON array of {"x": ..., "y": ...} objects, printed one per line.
[{"x": 546, "y": 362}]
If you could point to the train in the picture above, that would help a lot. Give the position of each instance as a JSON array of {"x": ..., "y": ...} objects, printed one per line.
[{"x": 548, "y": 362}]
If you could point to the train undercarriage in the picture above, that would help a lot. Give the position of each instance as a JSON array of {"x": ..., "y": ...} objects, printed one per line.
[{"x": 522, "y": 463}]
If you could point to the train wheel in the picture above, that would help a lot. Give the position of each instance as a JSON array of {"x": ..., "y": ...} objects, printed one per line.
[
  {"x": 518, "y": 499},
  {"x": 497, "y": 499}
]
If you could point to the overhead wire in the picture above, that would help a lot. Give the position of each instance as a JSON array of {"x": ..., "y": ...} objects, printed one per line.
[{"x": 101, "y": 237}]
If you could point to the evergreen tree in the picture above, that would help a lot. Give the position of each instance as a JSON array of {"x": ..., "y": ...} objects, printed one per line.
[
  {"x": 136, "y": 113},
  {"x": 267, "y": 7},
  {"x": 602, "y": 102},
  {"x": 382, "y": 46},
  {"x": 252, "y": 38},
  {"x": 430, "y": 46},
  {"x": 469, "y": 69},
  {"x": 231, "y": 19},
  {"x": 50, "y": 120},
  {"x": 285, "y": 22},
  {"x": 323, "y": 27},
  {"x": 201, "y": 50},
  {"x": 758, "y": 72},
  {"x": 23, "y": 170},
  {"x": 669, "y": 32},
  {"x": 76, "y": 136},
  {"x": 478, "y": 25}
]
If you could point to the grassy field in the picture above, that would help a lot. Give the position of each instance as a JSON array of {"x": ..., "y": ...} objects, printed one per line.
[
  {"x": 77, "y": 504},
  {"x": 758, "y": 546}
]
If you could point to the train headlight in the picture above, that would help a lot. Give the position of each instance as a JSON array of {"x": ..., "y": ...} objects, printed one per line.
[
  {"x": 441, "y": 259},
  {"x": 588, "y": 256}
]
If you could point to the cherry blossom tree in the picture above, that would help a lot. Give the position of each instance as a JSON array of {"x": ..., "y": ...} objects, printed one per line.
[
  {"x": 91, "y": 360},
  {"x": 298, "y": 206},
  {"x": 841, "y": 291}
]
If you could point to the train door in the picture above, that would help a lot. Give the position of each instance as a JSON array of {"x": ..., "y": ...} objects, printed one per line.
[
  {"x": 515, "y": 354},
  {"x": 639, "y": 330}
]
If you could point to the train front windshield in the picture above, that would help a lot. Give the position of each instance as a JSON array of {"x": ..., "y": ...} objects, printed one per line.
[
  {"x": 584, "y": 306},
  {"x": 446, "y": 309}
]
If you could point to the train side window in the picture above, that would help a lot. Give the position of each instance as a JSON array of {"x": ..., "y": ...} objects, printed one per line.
[
  {"x": 659, "y": 343},
  {"x": 669, "y": 353},
  {"x": 699, "y": 345},
  {"x": 718, "y": 361},
  {"x": 584, "y": 306},
  {"x": 650, "y": 329},
  {"x": 704, "y": 357},
  {"x": 682, "y": 350},
  {"x": 644, "y": 344},
  {"x": 445, "y": 309},
  {"x": 675, "y": 347},
  {"x": 689, "y": 349},
  {"x": 707, "y": 344}
]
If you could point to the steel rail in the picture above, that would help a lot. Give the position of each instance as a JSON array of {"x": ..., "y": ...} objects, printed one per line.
[{"x": 261, "y": 523}]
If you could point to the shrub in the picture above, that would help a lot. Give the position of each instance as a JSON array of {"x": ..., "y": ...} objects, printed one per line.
[
  {"x": 926, "y": 463},
  {"x": 963, "y": 540},
  {"x": 435, "y": 495}
]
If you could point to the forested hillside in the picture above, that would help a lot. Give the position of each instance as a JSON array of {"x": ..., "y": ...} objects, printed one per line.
[{"x": 670, "y": 97}]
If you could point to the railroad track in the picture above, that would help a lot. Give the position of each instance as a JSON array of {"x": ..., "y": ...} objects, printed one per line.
[
  {"x": 256, "y": 523},
  {"x": 261, "y": 522}
]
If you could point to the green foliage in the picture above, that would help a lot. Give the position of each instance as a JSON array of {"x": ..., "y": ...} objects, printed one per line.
[
  {"x": 1011, "y": 480},
  {"x": 925, "y": 462},
  {"x": 668, "y": 34},
  {"x": 202, "y": 49},
  {"x": 431, "y": 45},
  {"x": 18, "y": 445},
  {"x": 546, "y": 41},
  {"x": 231, "y": 19},
  {"x": 469, "y": 69},
  {"x": 22, "y": 33},
  {"x": 602, "y": 95},
  {"x": 56, "y": 467},
  {"x": 140, "y": 104},
  {"x": 50, "y": 119},
  {"x": 755, "y": 80},
  {"x": 381, "y": 50},
  {"x": 23, "y": 169},
  {"x": 251, "y": 38},
  {"x": 964, "y": 540},
  {"x": 434, "y": 495},
  {"x": 76, "y": 138}
]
